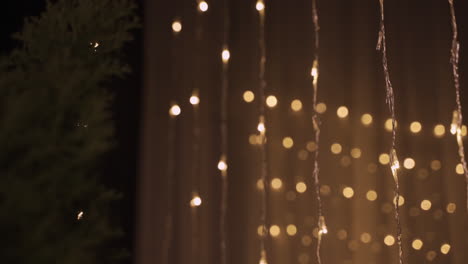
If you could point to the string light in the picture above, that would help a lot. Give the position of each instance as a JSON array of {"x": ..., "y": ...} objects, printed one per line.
[
  {"x": 409, "y": 163},
  {"x": 260, "y": 6},
  {"x": 371, "y": 195},
  {"x": 296, "y": 105},
  {"x": 389, "y": 240},
  {"x": 176, "y": 26},
  {"x": 174, "y": 110},
  {"x": 415, "y": 127},
  {"x": 225, "y": 55},
  {"x": 336, "y": 148},
  {"x": 444, "y": 249},
  {"x": 417, "y": 244},
  {"x": 222, "y": 166},
  {"x": 439, "y": 130},
  {"x": 271, "y": 101},
  {"x": 366, "y": 119},
  {"x": 342, "y": 112},
  {"x": 248, "y": 96},
  {"x": 194, "y": 99},
  {"x": 390, "y": 100},
  {"x": 348, "y": 192},
  {"x": 288, "y": 142},
  {"x": 80, "y": 215},
  {"x": 301, "y": 187},
  {"x": 203, "y": 6},
  {"x": 275, "y": 230},
  {"x": 276, "y": 183},
  {"x": 196, "y": 201},
  {"x": 291, "y": 230}
]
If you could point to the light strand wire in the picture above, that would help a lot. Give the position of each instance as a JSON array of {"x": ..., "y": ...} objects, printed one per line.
[
  {"x": 457, "y": 119},
  {"x": 262, "y": 129},
  {"x": 321, "y": 225},
  {"x": 225, "y": 54},
  {"x": 390, "y": 100}
]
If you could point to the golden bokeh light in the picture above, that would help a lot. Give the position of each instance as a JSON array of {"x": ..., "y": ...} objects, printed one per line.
[
  {"x": 296, "y": 105},
  {"x": 451, "y": 207},
  {"x": 415, "y": 127},
  {"x": 348, "y": 192},
  {"x": 275, "y": 230},
  {"x": 409, "y": 163},
  {"x": 401, "y": 201},
  {"x": 321, "y": 108},
  {"x": 436, "y": 165},
  {"x": 366, "y": 119},
  {"x": 417, "y": 244},
  {"x": 301, "y": 187},
  {"x": 176, "y": 26},
  {"x": 175, "y": 110},
  {"x": 384, "y": 159},
  {"x": 366, "y": 238},
  {"x": 248, "y": 96},
  {"x": 371, "y": 195},
  {"x": 222, "y": 166},
  {"x": 261, "y": 230},
  {"x": 225, "y": 55},
  {"x": 291, "y": 230},
  {"x": 260, "y": 184},
  {"x": 389, "y": 240},
  {"x": 439, "y": 130},
  {"x": 196, "y": 201},
  {"x": 276, "y": 183},
  {"x": 260, "y": 5},
  {"x": 342, "y": 112},
  {"x": 336, "y": 148},
  {"x": 203, "y": 6},
  {"x": 426, "y": 205},
  {"x": 463, "y": 130},
  {"x": 311, "y": 146},
  {"x": 356, "y": 153},
  {"x": 459, "y": 169},
  {"x": 271, "y": 101},
  {"x": 288, "y": 142},
  {"x": 444, "y": 249},
  {"x": 388, "y": 125}
]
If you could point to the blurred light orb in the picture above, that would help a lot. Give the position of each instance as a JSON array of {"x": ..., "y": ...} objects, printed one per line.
[
  {"x": 260, "y": 5},
  {"x": 388, "y": 125},
  {"x": 321, "y": 108},
  {"x": 415, "y": 127},
  {"x": 175, "y": 110},
  {"x": 276, "y": 183},
  {"x": 451, "y": 207},
  {"x": 409, "y": 163},
  {"x": 366, "y": 119},
  {"x": 356, "y": 153},
  {"x": 389, "y": 240},
  {"x": 248, "y": 96},
  {"x": 401, "y": 201},
  {"x": 196, "y": 201},
  {"x": 311, "y": 146},
  {"x": 275, "y": 230},
  {"x": 439, "y": 131},
  {"x": 271, "y": 101},
  {"x": 288, "y": 142},
  {"x": 225, "y": 55},
  {"x": 371, "y": 195},
  {"x": 417, "y": 244},
  {"x": 222, "y": 166},
  {"x": 194, "y": 100},
  {"x": 342, "y": 234},
  {"x": 444, "y": 249},
  {"x": 260, "y": 184},
  {"x": 336, "y": 148},
  {"x": 296, "y": 105},
  {"x": 291, "y": 230},
  {"x": 426, "y": 205},
  {"x": 348, "y": 192},
  {"x": 301, "y": 187},
  {"x": 384, "y": 159},
  {"x": 203, "y": 6},
  {"x": 459, "y": 169},
  {"x": 176, "y": 26},
  {"x": 342, "y": 112}
]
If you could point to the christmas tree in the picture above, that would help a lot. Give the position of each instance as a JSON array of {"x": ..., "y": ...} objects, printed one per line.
[{"x": 55, "y": 126}]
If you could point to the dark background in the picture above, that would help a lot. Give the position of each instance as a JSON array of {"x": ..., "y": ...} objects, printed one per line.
[{"x": 167, "y": 68}]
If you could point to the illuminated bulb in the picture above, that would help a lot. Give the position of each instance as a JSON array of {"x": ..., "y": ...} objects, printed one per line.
[
  {"x": 371, "y": 195},
  {"x": 389, "y": 240},
  {"x": 80, "y": 215},
  {"x": 415, "y": 127},
  {"x": 451, "y": 207},
  {"x": 222, "y": 166},
  {"x": 459, "y": 169},
  {"x": 366, "y": 119},
  {"x": 439, "y": 130},
  {"x": 417, "y": 244},
  {"x": 395, "y": 164},
  {"x": 455, "y": 121},
  {"x": 401, "y": 201},
  {"x": 276, "y": 183},
  {"x": 96, "y": 44},
  {"x": 271, "y": 101},
  {"x": 348, "y": 192},
  {"x": 296, "y": 105},
  {"x": 274, "y": 230},
  {"x": 288, "y": 142},
  {"x": 322, "y": 226},
  {"x": 248, "y": 96},
  {"x": 291, "y": 230},
  {"x": 409, "y": 163},
  {"x": 314, "y": 72},
  {"x": 445, "y": 248},
  {"x": 260, "y": 5},
  {"x": 175, "y": 110},
  {"x": 384, "y": 159},
  {"x": 261, "y": 126},
  {"x": 342, "y": 112},
  {"x": 388, "y": 125},
  {"x": 176, "y": 26},
  {"x": 194, "y": 100},
  {"x": 203, "y": 6},
  {"x": 336, "y": 148},
  {"x": 301, "y": 187},
  {"x": 196, "y": 201},
  {"x": 426, "y": 205},
  {"x": 225, "y": 55},
  {"x": 263, "y": 259}
]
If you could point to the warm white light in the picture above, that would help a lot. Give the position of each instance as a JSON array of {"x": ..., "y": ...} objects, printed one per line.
[
  {"x": 415, "y": 127},
  {"x": 288, "y": 142},
  {"x": 260, "y": 5},
  {"x": 194, "y": 100},
  {"x": 459, "y": 169},
  {"x": 301, "y": 187},
  {"x": 384, "y": 159},
  {"x": 321, "y": 108},
  {"x": 417, "y": 244},
  {"x": 336, "y": 148},
  {"x": 395, "y": 164},
  {"x": 225, "y": 55},
  {"x": 203, "y": 6},
  {"x": 445, "y": 248},
  {"x": 296, "y": 105},
  {"x": 348, "y": 192},
  {"x": 275, "y": 230},
  {"x": 389, "y": 240},
  {"x": 261, "y": 127},
  {"x": 322, "y": 226},
  {"x": 426, "y": 205},
  {"x": 371, "y": 195},
  {"x": 409, "y": 163},
  {"x": 248, "y": 96},
  {"x": 222, "y": 166},
  {"x": 196, "y": 201},
  {"x": 342, "y": 112},
  {"x": 175, "y": 110},
  {"x": 366, "y": 119},
  {"x": 263, "y": 258},
  {"x": 314, "y": 72},
  {"x": 439, "y": 130},
  {"x": 271, "y": 101},
  {"x": 291, "y": 230},
  {"x": 276, "y": 183},
  {"x": 176, "y": 26},
  {"x": 80, "y": 215}
]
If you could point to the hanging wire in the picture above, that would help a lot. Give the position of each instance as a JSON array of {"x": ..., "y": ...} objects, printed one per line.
[
  {"x": 321, "y": 225},
  {"x": 390, "y": 100},
  {"x": 260, "y": 6},
  {"x": 223, "y": 162},
  {"x": 457, "y": 119}
]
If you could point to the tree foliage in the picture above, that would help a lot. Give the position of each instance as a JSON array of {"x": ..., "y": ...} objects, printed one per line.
[{"x": 55, "y": 126}]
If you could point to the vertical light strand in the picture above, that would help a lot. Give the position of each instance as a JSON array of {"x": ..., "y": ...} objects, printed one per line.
[
  {"x": 390, "y": 100},
  {"x": 260, "y": 6},
  {"x": 321, "y": 224},
  {"x": 223, "y": 161},
  {"x": 174, "y": 111},
  {"x": 457, "y": 118}
]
